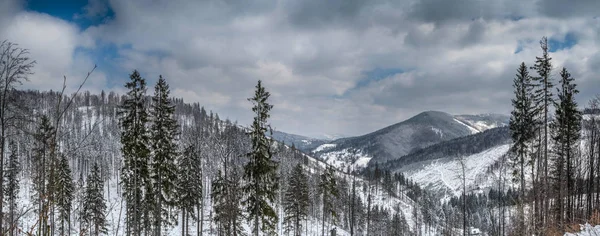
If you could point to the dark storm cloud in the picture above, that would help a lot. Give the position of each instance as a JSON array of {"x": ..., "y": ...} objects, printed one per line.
[{"x": 573, "y": 8}]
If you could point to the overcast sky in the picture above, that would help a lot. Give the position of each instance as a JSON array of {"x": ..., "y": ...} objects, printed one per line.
[{"x": 333, "y": 67}]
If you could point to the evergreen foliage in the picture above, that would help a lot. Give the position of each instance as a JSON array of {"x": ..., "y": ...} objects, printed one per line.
[
  {"x": 329, "y": 191},
  {"x": 163, "y": 171},
  {"x": 135, "y": 176},
  {"x": 296, "y": 200},
  {"x": 64, "y": 191},
  {"x": 566, "y": 132},
  {"x": 94, "y": 206},
  {"x": 260, "y": 173},
  {"x": 189, "y": 182}
]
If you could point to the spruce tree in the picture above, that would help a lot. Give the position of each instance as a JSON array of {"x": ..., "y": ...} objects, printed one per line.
[
  {"x": 260, "y": 173},
  {"x": 296, "y": 200},
  {"x": 543, "y": 99},
  {"x": 11, "y": 190},
  {"x": 94, "y": 205},
  {"x": 41, "y": 163},
  {"x": 164, "y": 132},
  {"x": 189, "y": 184},
  {"x": 566, "y": 130},
  {"x": 329, "y": 192},
  {"x": 64, "y": 194},
  {"x": 135, "y": 176},
  {"x": 522, "y": 128}
]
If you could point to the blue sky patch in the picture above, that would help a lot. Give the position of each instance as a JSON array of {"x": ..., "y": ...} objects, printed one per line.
[
  {"x": 561, "y": 44},
  {"x": 377, "y": 74},
  {"x": 70, "y": 10}
]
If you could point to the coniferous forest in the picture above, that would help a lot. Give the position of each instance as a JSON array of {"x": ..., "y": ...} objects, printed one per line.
[{"x": 148, "y": 163}]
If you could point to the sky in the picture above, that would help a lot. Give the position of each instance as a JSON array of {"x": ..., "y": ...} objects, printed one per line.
[{"x": 338, "y": 67}]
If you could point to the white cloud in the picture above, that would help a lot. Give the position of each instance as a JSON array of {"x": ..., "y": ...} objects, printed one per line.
[{"x": 312, "y": 54}]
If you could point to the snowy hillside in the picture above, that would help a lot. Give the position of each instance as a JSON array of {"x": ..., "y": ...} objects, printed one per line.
[
  {"x": 445, "y": 174},
  {"x": 91, "y": 134},
  {"x": 390, "y": 143}
]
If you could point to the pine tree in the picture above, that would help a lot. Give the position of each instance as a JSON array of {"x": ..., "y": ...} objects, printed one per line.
[
  {"x": 329, "y": 192},
  {"x": 566, "y": 130},
  {"x": 94, "y": 205},
  {"x": 64, "y": 194},
  {"x": 11, "y": 192},
  {"x": 135, "y": 176},
  {"x": 522, "y": 131},
  {"x": 260, "y": 173},
  {"x": 164, "y": 133},
  {"x": 296, "y": 200},
  {"x": 543, "y": 99},
  {"x": 190, "y": 184}
]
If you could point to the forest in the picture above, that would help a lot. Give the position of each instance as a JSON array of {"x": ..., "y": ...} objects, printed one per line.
[{"x": 147, "y": 163}]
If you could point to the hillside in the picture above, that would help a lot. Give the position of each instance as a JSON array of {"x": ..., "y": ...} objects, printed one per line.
[
  {"x": 392, "y": 142},
  {"x": 302, "y": 143},
  {"x": 90, "y": 134}
]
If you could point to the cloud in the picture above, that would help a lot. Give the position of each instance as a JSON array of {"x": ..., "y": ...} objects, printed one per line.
[
  {"x": 54, "y": 44},
  {"x": 315, "y": 57}
]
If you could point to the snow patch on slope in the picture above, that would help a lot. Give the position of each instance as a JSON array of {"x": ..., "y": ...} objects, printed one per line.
[
  {"x": 446, "y": 175},
  {"x": 324, "y": 147},
  {"x": 347, "y": 159},
  {"x": 473, "y": 130}
]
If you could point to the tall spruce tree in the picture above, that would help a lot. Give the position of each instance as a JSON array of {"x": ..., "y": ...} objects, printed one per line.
[
  {"x": 11, "y": 190},
  {"x": 522, "y": 132},
  {"x": 296, "y": 200},
  {"x": 41, "y": 163},
  {"x": 329, "y": 192},
  {"x": 566, "y": 132},
  {"x": 164, "y": 132},
  {"x": 260, "y": 173},
  {"x": 135, "y": 176},
  {"x": 190, "y": 184},
  {"x": 64, "y": 194},
  {"x": 543, "y": 99},
  {"x": 94, "y": 204}
]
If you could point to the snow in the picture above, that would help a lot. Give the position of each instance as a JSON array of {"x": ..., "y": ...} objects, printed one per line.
[
  {"x": 482, "y": 125},
  {"x": 324, "y": 147},
  {"x": 446, "y": 174},
  {"x": 586, "y": 230},
  {"x": 346, "y": 159},
  {"x": 437, "y": 131},
  {"x": 473, "y": 130}
]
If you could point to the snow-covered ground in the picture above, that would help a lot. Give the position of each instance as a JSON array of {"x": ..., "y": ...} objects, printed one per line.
[
  {"x": 324, "y": 147},
  {"x": 446, "y": 174},
  {"x": 346, "y": 159},
  {"x": 473, "y": 130},
  {"x": 586, "y": 230}
]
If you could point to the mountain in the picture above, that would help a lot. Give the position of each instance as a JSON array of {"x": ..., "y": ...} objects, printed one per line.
[
  {"x": 438, "y": 168},
  {"x": 302, "y": 143},
  {"x": 395, "y": 141}
]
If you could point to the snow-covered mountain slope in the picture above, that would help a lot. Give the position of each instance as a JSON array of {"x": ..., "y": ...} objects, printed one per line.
[
  {"x": 302, "y": 143},
  {"x": 445, "y": 176},
  {"x": 392, "y": 142},
  {"x": 438, "y": 167},
  {"x": 483, "y": 122}
]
